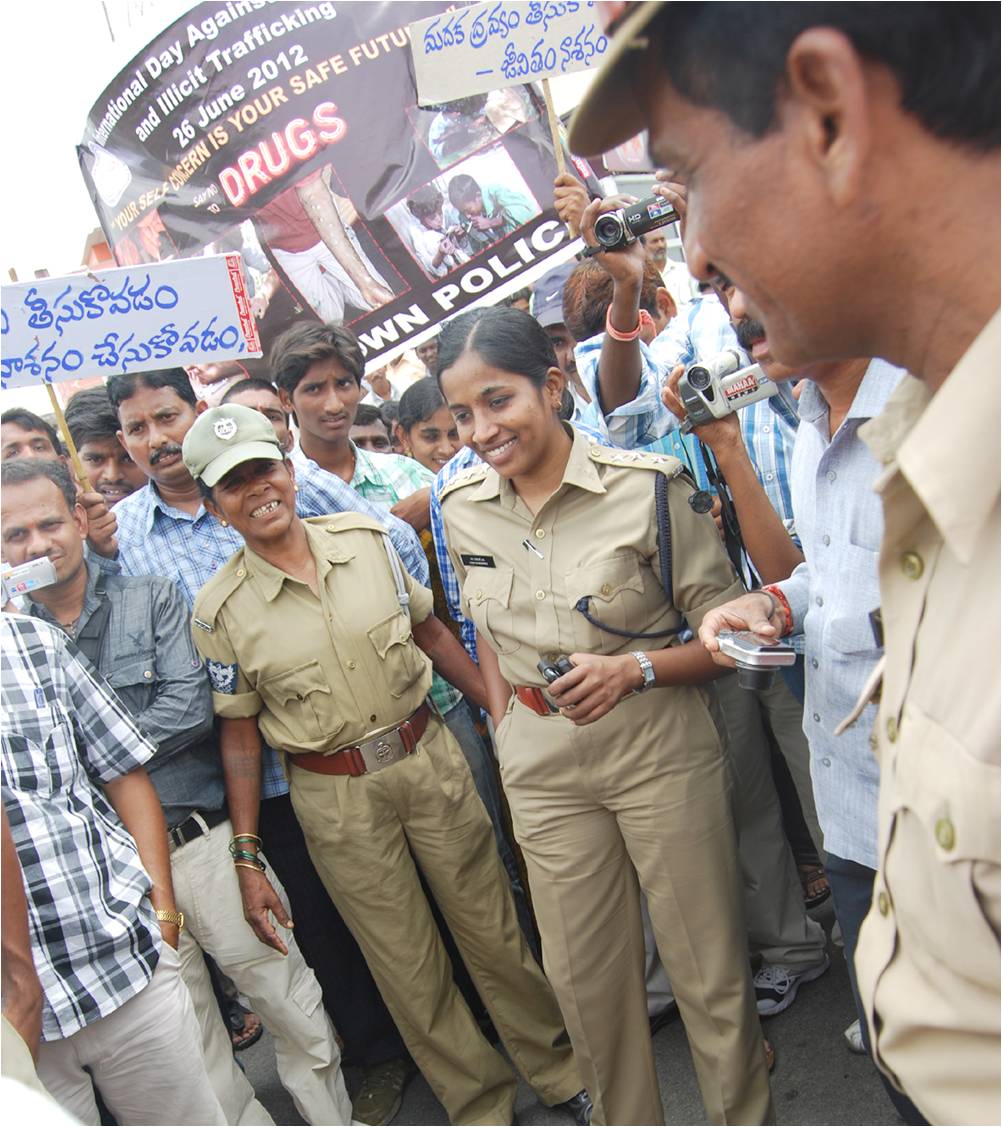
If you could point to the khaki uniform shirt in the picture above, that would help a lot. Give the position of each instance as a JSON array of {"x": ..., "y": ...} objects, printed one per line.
[
  {"x": 321, "y": 673},
  {"x": 928, "y": 955},
  {"x": 596, "y": 537}
]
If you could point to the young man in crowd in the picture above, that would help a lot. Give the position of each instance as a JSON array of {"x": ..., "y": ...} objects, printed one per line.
[
  {"x": 318, "y": 370},
  {"x": 165, "y": 530},
  {"x": 92, "y": 845},
  {"x": 801, "y": 132},
  {"x": 136, "y": 632},
  {"x": 94, "y": 428},
  {"x": 369, "y": 432},
  {"x": 262, "y": 395},
  {"x": 24, "y": 434}
]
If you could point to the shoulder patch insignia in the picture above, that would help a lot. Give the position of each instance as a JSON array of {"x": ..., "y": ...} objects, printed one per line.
[
  {"x": 222, "y": 676},
  {"x": 207, "y": 627}
]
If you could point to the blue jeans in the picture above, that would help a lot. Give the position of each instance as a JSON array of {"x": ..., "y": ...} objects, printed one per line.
[{"x": 852, "y": 890}]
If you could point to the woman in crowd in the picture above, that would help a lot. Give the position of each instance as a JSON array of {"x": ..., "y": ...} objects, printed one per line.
[
  {"x": 558, "y": 550},
  {"x": 425, "y": 427}
]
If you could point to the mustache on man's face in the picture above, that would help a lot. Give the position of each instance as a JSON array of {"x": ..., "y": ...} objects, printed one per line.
[
  {"x": 165, "y": 452},
  {"x": 749, "y": 332}
]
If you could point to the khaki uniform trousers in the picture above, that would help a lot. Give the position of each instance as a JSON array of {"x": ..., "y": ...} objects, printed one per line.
[
  {"x": 364, "y": 835},
  {"x": 281, "y": 988},
  {"x": 642, "y": 792}
]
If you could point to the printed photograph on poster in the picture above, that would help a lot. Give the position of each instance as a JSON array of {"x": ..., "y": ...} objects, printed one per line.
[
  {"x": 454, "y": 130},
  {"x": 309, "y": 232},
  {"x": 449, "y": 221}
]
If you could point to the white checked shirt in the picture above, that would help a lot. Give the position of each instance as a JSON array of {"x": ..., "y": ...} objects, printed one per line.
[{"x": 95, "y": 940}]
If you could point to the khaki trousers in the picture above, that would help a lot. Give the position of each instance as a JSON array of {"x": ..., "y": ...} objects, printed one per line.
[
  {"x": 364, "y": 836},
  {"x": 643, "y": 792},
  {"x": 281, "y": 989},
  {"x": 146, "y": 1059}
]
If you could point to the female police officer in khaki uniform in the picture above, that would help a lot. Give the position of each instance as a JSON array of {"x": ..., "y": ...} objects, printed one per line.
[
  {"x": 620, "y": 783},
  {"x": 314, "y": 631}
]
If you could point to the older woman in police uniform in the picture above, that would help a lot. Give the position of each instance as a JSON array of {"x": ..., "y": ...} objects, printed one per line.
[
  {"x": 556, "y": 545},
  {"x": 314, "y": 631}
]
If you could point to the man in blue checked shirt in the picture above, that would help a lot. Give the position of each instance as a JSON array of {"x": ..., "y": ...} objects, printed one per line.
[{"x": 165, "y": 530}]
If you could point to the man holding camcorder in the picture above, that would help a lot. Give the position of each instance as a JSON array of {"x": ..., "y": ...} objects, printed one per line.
[{"x": 802, "y": 132}]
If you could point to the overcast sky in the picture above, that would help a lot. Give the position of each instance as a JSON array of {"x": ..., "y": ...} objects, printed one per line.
[{"x": 58, "y": 56}]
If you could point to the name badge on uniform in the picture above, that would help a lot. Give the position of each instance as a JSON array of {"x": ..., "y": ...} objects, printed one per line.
[{"x": 477, "y": 561}]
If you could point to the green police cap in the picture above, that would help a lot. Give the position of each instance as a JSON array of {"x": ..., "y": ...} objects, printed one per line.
[
  {"x": 609, "y": 114},
  {"x": 225, "y": 437}
]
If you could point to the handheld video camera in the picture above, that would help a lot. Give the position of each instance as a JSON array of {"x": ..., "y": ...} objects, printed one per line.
[
  {"x": 27, "y": 577},
  {"x": 715, "y": 389},
  {"x": 617, "y": 229},
  {"x": 756, "y": 660}
]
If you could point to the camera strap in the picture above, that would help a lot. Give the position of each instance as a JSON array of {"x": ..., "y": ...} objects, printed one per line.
[
  {"x": 733, "y": 541},
  {"x": 664, "y": 544}
]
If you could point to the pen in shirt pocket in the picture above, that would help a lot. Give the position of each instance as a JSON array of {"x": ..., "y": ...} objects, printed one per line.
[{"x": 528, "y": 545}]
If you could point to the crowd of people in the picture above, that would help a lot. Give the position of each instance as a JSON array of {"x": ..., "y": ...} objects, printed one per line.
[{"x": 389, "y": 708}]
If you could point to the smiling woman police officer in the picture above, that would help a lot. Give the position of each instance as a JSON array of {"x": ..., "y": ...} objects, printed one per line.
[
  {"x": 619, "y": 784},
  {"x": 314, "y": 631}
]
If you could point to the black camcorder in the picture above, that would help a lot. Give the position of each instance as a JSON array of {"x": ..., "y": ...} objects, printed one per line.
[{"x": 617, "y": 229}]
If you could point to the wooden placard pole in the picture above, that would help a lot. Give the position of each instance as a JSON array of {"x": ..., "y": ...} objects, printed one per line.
[
  {"x": 558, "y": 147},
  {"x": 64, "y": 430}
]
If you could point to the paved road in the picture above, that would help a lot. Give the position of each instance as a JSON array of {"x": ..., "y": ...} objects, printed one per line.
[{"x": 816, "y": 1080}]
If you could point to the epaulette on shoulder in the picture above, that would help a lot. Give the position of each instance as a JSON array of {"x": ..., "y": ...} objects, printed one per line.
[
  {"x": 211, "y": 597},
  {"x": 342, "y": 522},
  {"x": 635, "y": 459},
  {"x": 472, "y": 476}
]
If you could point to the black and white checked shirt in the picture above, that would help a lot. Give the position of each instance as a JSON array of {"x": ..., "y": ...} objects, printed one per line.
[{"x": 95, "y": 939}]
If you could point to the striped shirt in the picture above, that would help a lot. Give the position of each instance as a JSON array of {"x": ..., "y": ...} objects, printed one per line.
[{"x": 95, "y": 940}]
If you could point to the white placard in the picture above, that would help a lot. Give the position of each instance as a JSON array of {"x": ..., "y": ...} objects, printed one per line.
[
  {"x": 489, "y": 46},
  {"x": 129, "y": 319}
]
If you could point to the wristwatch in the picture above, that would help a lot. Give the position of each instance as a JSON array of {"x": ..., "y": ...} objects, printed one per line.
[
  {"x": 170, "y": 917},
  {"x": 646, "y": 668}
]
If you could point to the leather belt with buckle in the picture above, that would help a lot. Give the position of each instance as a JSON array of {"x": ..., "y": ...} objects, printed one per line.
[
  {"x": 191, "y": 827},
  {"x": 370, "y": 755},
  {"x": 535, "y": 700}
]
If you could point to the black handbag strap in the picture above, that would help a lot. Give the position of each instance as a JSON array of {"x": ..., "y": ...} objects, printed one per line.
[{"x": 88, "y": 639}]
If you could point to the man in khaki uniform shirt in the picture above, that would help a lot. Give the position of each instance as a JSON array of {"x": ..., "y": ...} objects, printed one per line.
[
  {"x": 325, "y": 670},
  {"x": 642, "y": 792},
  {"x": 811, "y": 138}
]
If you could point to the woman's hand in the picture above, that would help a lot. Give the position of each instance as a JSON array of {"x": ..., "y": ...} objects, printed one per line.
[{"x": 595, "y": 686}]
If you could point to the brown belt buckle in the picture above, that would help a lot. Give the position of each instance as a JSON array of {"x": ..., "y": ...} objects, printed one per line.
[{"x": 383, "y": 751}]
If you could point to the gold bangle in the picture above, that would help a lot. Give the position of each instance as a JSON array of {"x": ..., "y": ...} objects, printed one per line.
[
  {"x": 170, "y": 917},
  {"x": 258, "y": 868}
]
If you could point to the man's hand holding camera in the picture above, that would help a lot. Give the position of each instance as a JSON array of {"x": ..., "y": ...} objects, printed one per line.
[{"x": 757, "y": 611}]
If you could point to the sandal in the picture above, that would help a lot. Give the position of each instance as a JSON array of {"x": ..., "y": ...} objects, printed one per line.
[
  {"x": 245, "y": 1027},
  {"x": 815, "y": 885},
  {"x": 770, "y": 1054}
]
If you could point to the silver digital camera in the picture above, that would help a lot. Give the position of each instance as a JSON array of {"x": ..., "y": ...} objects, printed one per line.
[
  {"x": 24, "y": 578},
  {"x": 716, "y": 388},
  {"x": 756, "y": 660}
]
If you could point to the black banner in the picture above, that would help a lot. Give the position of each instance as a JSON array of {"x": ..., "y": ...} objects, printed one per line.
[{"x": 290, "y": 132}]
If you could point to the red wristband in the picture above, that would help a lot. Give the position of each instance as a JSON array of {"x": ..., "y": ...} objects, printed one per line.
[
  {"x": 616, "y": 334},
  {"x": 784, "y": 606}
]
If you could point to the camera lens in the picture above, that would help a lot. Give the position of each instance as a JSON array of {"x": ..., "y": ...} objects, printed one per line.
[
  {"x": 698, "y": 377},
  {"x": 754, "y": 677},
  {"x": 609, "y": 229}
]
